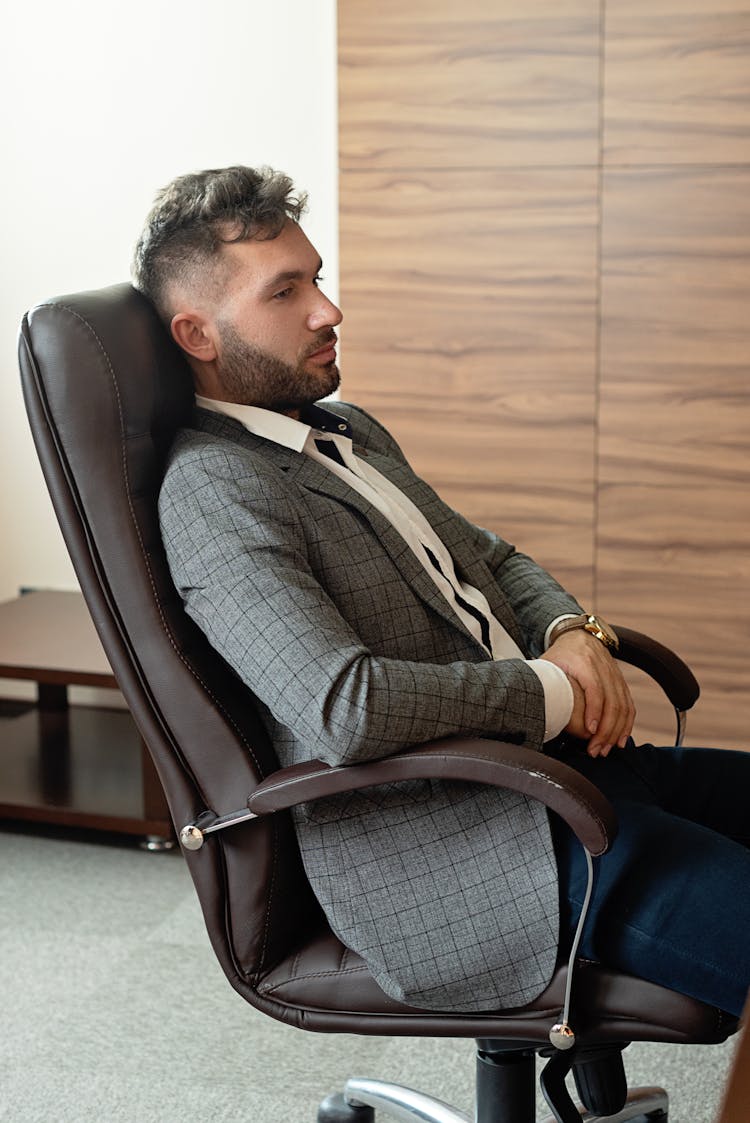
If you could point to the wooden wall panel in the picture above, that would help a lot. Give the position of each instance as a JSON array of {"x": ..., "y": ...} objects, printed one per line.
[
  {"x": 674, "y": 469},
  {"x": 674, "y": 443},
  {"x": 677, "y": 82},
  {"x": 469, "y": 329},
  {"x": 544, "y": 266},
  {"x": 469, "y": 219},
  {"x": 476, "y": 84}
]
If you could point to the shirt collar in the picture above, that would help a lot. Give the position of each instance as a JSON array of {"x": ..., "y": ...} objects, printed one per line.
[{"x": 277, "y": 427}]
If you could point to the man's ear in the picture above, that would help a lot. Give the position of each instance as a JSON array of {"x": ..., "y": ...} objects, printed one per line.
[{"x": 192, "y": 333}]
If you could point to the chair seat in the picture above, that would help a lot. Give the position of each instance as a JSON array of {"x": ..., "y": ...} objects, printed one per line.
[{"x": 324, "y": 986}]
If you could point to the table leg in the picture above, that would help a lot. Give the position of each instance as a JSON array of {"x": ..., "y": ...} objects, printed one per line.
[
  {"x": 55, "y": 778},
  {"x": 154, "y": 802}
]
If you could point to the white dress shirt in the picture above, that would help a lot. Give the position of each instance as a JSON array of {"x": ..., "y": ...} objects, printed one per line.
[{"x": 468, "y": 603}]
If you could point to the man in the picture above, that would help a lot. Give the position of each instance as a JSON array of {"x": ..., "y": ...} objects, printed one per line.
[{"x": 366, "y": 616}]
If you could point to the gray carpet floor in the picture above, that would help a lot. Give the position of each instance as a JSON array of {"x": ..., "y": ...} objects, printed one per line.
[{"x": 114, "y": 1010}]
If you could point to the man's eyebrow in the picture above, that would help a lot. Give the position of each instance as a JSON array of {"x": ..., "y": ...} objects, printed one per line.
[{"x": 288, "y": 275}]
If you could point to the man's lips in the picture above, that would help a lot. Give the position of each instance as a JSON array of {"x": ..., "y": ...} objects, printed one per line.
[{"x": 326, "y": 353}]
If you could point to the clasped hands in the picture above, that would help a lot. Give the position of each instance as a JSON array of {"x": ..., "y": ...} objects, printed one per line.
[{"x": 603, "y": 710}]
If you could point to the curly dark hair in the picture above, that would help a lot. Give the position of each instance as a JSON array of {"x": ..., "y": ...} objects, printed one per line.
[{"x": 195, "y": 214}]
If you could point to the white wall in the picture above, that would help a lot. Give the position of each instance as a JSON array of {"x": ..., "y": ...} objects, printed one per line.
[{"x": 101, "y": 105}]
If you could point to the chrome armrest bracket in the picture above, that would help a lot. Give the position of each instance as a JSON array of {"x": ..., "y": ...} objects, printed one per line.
[{"x": 192, "y": 834}]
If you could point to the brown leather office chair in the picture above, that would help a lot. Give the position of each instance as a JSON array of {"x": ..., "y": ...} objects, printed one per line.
[{"x": 105, "y": 391}]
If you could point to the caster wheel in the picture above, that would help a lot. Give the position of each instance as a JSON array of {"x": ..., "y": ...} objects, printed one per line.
[{"x": 335, "y": 1109}]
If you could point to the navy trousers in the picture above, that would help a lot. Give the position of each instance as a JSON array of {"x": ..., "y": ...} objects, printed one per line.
[{"x": 671, "y": 901}]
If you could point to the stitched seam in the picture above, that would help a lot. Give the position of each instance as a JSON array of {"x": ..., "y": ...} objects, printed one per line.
[
  {"x": 685, "y": 953},
  {"x": 310, "y": 975},
  {"x": 271, "y": 888},
  {"x": 670, "y": 944},
  {"x": 166, "y": 629}
]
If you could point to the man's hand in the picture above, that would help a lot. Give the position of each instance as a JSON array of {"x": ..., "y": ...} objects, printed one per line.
[{"x": 603, "y": 710}]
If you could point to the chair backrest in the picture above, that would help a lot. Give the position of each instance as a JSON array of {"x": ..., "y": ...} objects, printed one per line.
[{"x": 105, "y": 390}]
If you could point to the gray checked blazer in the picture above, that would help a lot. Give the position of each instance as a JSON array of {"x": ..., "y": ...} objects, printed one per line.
[{"x": 447, "y": 890}]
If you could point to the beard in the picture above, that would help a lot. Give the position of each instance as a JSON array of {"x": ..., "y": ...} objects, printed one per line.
[{"x": 252, "y": 376}]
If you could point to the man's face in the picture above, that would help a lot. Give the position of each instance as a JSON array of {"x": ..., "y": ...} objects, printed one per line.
[{"x": 276, "y": 344}]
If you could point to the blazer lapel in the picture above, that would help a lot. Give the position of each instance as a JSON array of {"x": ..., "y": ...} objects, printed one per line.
[
  {"x": 313, "y": 476},
  {"x": 310, "y": 474},
  {"x": 470, "y": 564}
]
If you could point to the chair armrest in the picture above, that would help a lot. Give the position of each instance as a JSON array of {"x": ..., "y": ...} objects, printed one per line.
[
  {"x": 578, "y": 802},
  {"x": 667, "y": 669},
  {"x": 583, "y": 807}
]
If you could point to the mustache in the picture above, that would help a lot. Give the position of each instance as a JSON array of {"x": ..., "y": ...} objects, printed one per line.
[{"x": 327, "y": 335}]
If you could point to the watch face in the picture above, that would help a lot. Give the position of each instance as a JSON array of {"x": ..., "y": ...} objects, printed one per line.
[{"x": 602, "y": 631}]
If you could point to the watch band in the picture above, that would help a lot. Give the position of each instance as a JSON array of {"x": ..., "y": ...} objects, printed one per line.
[{"x": 594, "y": 625}]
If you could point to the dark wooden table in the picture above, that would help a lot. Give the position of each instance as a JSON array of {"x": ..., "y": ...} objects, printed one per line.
[{"x": 78, "y": 766}]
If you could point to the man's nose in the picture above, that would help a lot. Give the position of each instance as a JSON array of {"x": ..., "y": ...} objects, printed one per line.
[{"x": 324, "y": 314}]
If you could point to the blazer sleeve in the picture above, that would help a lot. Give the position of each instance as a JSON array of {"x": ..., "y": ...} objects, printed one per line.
[
  {"x": 534, "y": 596},
  {"x": 236, "y": 548}
]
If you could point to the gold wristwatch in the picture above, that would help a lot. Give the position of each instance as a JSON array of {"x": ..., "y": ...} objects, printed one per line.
[{"x": 590, "y": 623}]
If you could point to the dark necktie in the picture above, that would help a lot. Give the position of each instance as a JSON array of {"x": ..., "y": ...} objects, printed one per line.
[
  {"x": 470, "y": 608},
  {"x": 329, "y": 449}
]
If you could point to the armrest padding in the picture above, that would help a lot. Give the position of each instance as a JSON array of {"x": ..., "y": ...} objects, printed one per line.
[
  {"x": 582, "y": 806},
  {"x": 667, "y": 669}
]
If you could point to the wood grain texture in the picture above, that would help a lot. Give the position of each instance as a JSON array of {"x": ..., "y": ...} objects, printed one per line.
[
  {"x": 613, "y": 447},
  {"x": 483, "y": 83},
  {"x": 674, "y": 466},
  {"x": 470, "y": 331},
  {"x": 677, "y": 82}
]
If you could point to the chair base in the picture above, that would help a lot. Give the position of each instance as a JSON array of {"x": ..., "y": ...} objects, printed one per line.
[{"x": 362, "y": 1097}]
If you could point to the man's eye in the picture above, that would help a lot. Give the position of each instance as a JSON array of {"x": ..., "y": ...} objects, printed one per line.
[
  {"x": 318, "y": 279},
  {"x": 282, "y": 294}
]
